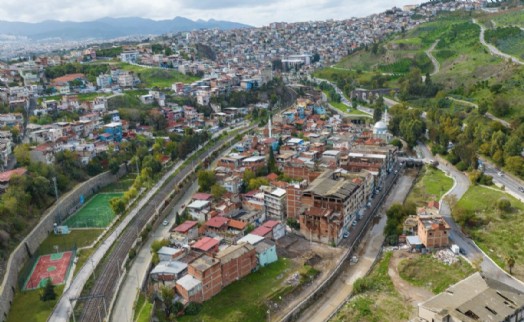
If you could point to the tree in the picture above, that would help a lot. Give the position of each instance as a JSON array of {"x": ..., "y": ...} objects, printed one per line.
[
  {"x": 254, "y": 184},
  {"x": 168, "y": 295},
  {"x": 396, "y": 142},
  {"x": 510, "y": 261},
  {"x": 377, "y": 114},
  {"x": 48, "y": 293},
  {"x": 271, "y": 163},
  {"x": 117, "y": 205},
  {"x": 500, "y": 107},
  {"x": 217, "y": 191},
  {"x": 22, "y": 155},
  {"x": 503, "y": 204},
  {"x": 206, "y": 179}
]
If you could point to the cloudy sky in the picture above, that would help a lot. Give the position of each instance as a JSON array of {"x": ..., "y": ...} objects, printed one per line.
[{"x": 252, "y": 12}]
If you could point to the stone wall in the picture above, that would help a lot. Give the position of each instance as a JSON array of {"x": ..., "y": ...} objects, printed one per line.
[{"x": 65, "y": 206}]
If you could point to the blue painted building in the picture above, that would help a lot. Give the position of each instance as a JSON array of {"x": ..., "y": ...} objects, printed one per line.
[
  {"x": 320, "y": 110},
  {"x": 266, "y": 252},
  {"x": 112, "y": 132}
]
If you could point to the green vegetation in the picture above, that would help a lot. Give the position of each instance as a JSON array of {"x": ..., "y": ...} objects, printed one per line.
[
  {"x": 80, "y": 238},
  {"x": 143, "y": 309},
  {"x": 109, "y": 52},
  {"x": 157, "y": 77},
  {"x": 375, "y": 298},
  {"x": 431, "y": 185},
  {"x": 96, "y": 212},
  {"x": 429, "y": 272},
  {"x": 498, "y": 232},
  {"x": 509, "y": 40},
  {"x": 514, "y": 17},
  {"x": 91, "y": 71},
  {"x": 251, "y": 294},
  {"x": 27, "y": 306},
  {"x": 397, "y": 214}
]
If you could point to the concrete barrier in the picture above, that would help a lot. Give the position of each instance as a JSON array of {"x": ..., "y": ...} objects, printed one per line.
[{"x": 63, "y": 208}]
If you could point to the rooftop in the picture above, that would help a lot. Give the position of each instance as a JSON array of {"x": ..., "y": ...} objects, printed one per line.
[
  {"x": 188, "y": 282},
  {"x": 476, "y": 298},
  {"x": 326, "y": 186},
  {"x": 250, "y": 239},
  {"x": 205, "y": 244},
  {"x": 233, "y": 251},
  {"x": 204, "y": 263},
  {"x": 185, "y": 226},
  {"x": 171, "y": 267},
  {"x": 6, "y": 176},
  {"x": 217, "y": 222}
]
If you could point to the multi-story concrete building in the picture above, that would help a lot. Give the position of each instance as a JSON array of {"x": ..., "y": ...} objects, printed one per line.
[
  {"x": 274, "y": 202},
  {"x": 208, "y": 271},
  {"x": 332, "y": 203},
  {"x": 237, "y": 261},
  {"x": 433, "y": 231}
]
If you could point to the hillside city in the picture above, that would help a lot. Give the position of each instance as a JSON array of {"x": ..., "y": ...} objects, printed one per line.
[{"x": 366, "y": 169}]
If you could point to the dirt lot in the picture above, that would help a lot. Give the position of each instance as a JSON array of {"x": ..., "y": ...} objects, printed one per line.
[{"x": 410, "y": 293}]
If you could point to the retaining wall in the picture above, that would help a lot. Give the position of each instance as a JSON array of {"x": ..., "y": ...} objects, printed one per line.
[{"x": 63, "y": 208}]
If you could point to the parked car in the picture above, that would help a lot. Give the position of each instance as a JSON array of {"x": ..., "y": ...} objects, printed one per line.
[
  {"x": 354, "y": 223},
  {"x": 500, "y": 174},
  {"x": 165, "y": 223},
  {"x": 521, "y": 189},
  {"x": 346, "y": 234}
]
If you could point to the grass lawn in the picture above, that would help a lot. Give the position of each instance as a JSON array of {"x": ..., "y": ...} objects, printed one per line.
[
  {"x": 157, "y": 77},
  {"x": 245, "y": 300},
  {"x": 81, "y": 238},
  {"x": 143, "y": 309},
  {"x": 96, "y": 212},
  {"x": 83, "y": 255},
  {"x": 428, "y": 272},
  {"x": 27, "y": 306},
  {"x": 498, "y": 233},
  {"x": 378, "y": 300},
  {"x": 431, "y": 185}
]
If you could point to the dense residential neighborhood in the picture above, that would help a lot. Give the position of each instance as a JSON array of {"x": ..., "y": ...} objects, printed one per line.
[{"x": 298, "y": 171}]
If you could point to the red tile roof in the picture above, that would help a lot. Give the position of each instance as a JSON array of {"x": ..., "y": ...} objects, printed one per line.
[
  {"x": 205, "y": 244},
  {"x": 185, "y": 226},
  {"x": 433, "y": 204},
  {"x": 217, "y": 222},
  {"x": 202, "y": 196},
  {"x": 261, "y": 231},
  {"x": 237, "y": 224},
  {"x": 271, "y": 224},
  {"x": 272, "y": 177},
  {"x": 6, "y": 176}
]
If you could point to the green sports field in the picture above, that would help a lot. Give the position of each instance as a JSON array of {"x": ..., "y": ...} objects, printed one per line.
[{"x": 95, "y": 213}]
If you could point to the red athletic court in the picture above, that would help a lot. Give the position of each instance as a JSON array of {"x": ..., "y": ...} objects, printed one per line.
[{"x": 53, "y": 266}]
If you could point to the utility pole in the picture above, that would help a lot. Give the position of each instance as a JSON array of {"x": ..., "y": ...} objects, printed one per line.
[{"x": 56, "y": 188}]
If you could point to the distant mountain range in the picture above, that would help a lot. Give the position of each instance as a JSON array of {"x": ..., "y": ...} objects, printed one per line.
[{"x": 108, "y": 28}]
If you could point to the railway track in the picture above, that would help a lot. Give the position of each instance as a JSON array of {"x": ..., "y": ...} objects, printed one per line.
[{"x": 106, "y": 283}]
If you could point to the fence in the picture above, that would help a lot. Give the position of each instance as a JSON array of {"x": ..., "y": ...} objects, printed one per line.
[{"x": 29, "y": 246}]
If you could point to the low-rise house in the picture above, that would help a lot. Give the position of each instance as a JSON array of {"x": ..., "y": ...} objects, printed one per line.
[
  {"x": 188, "y": 229},
  {"x": 168, "y": 253},
  {"x": 6, "y": 176},
  {"x": 266, "y": 252},
  {"x": 199, "y": 209},
  {"x": 217, "y": 225},
  {"x": 190, "y": 289},
  {"x": 168, "y": 271},
  {"x": 206, "y": 245}
]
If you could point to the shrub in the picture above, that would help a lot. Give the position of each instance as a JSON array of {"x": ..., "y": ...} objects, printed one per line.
[
  {"x": 504, "y": 204},
  {"x": 193, "y": 308},
  {"x": 461, "y": 166}
]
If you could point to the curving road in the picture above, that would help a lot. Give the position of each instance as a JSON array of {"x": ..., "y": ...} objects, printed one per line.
[
  {"x": 492, "y": 49},
  {"x": 435, "y": 62},
  {"x": 472, "y": 251}
]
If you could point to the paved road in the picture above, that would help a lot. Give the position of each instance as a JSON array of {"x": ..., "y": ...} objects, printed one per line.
[
  {"x": 473, "y": 252},
  {"x": 123, "y": 310},
  {"x": 338, "y": 292},
  {"x": 343, "y": 98},
  {"x": 435, "y": 62},
  {"x": 488, "y": 115},
  {"x": 494, "y": 50},
  {"x": 510, "y": 182}
]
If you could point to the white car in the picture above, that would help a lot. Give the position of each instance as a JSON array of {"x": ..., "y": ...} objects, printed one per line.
[
  {"x": 165, "y": 223},
  {"x": 500, "y": 174}
]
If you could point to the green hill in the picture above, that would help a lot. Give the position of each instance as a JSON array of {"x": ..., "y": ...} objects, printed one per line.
[{"x": 467, "y": 69}]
